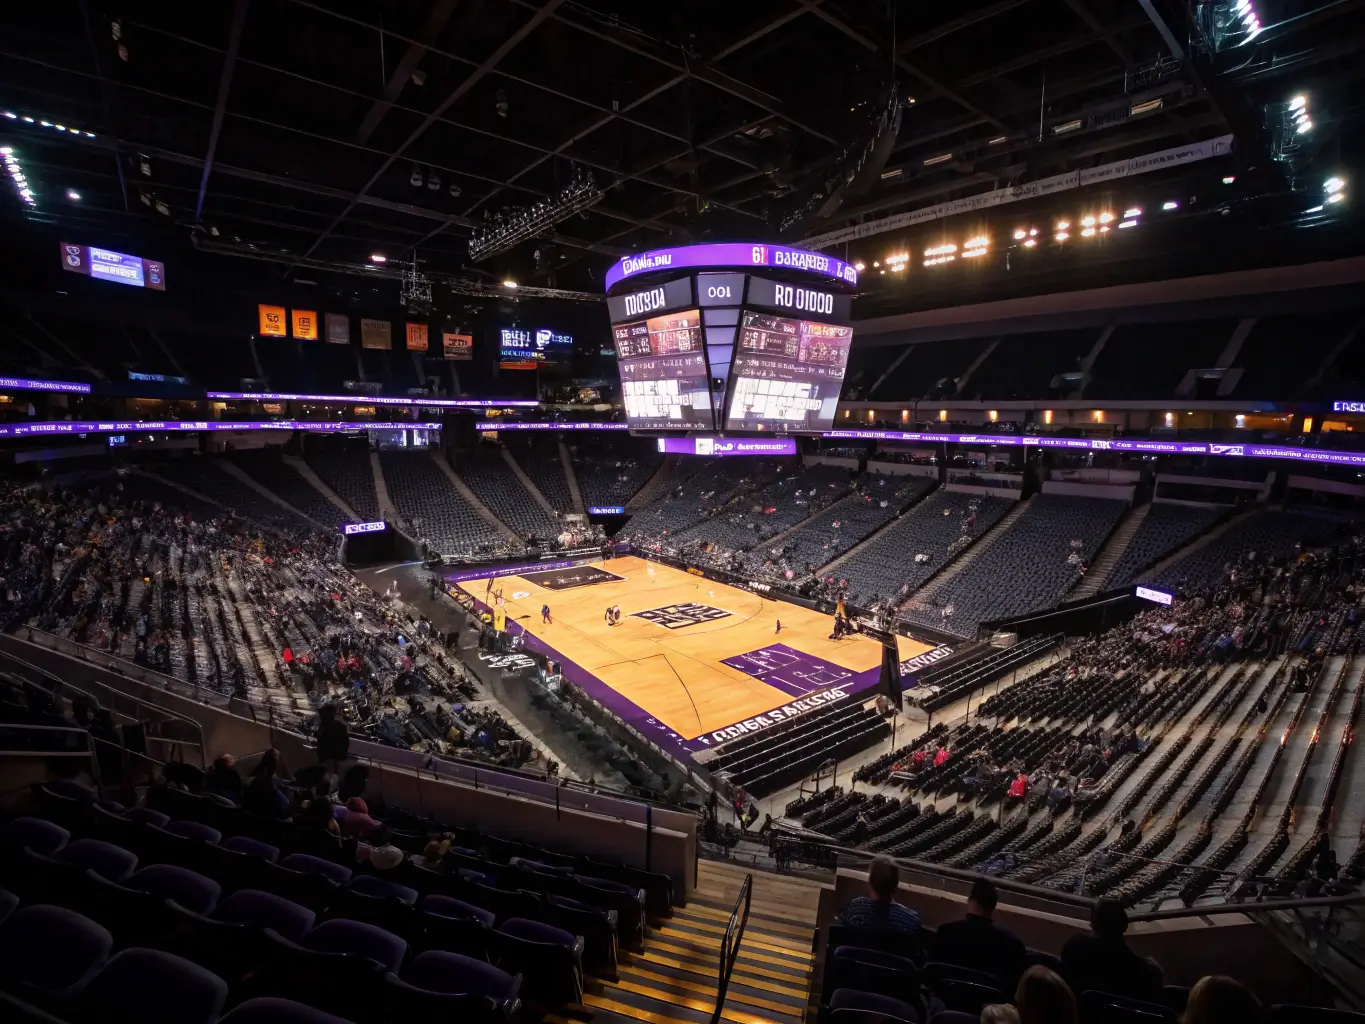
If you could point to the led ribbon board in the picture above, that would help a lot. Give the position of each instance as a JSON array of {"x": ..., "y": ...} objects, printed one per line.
[
  {"x": 606, "y": 510},
  {"x": 437, "y": 403},
  {"x": 722, "y": 446},
  {"x": 736, "y": 255},
  {"x": 185, "y": 426},
  {"x": 350, "y": 529},
  {"x": 24, "y": 384}
]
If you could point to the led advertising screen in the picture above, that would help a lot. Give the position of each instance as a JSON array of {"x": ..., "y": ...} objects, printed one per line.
[
  {"x": 722, "y": 446},
  {"x": 786, "y": 374},
  {"x": 664, "y": 379},
  {"x": 523, "y": 348},
  {"x": 118, "y": 267}
]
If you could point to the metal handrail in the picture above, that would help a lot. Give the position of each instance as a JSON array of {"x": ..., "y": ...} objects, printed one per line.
[{"x": 729, "y": 944}]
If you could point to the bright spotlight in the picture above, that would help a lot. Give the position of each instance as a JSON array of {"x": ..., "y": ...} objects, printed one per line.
[
  {"x": 1020, "y": 234},
  {"x": 73, "y": 195},
  {"x": 1088, "y": 222},
  {"x": 859, "y": 266},
  {"x": 1297, "y": 102},
  {"x": 509, "y": 283},
  {"x": 1061, "y": 236},
  {"x": 1127, "y": 223},
  {"x": 1131, "y": 212},
  {"x": 1333, "y": 184},
  {"x": 1087, "y": 232},
  {"x": 1304, "y": 126},
  {"x": 1170, "y": 204},
  {"x": 378, "y": 257},
  {"x": 1106, "y": 217},
  {"x": 1229, "y": 179},
  {"x": 1336, "y": 197},
  {"x": 1062, "y": 225},
  {"x": 1030, "y": 243}
]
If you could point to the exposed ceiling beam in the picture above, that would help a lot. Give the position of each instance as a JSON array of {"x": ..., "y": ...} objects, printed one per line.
[
  {"x": 871, "y": 45},
  {"x": 1082, "y": 10},
  {"x": 541, "y": 13},
  {"x": 956, "y": 25},
  {"x": 239, "y": 10},
  {"x": 1163, "y": 30},
  {"x": 437, "y": 18}
]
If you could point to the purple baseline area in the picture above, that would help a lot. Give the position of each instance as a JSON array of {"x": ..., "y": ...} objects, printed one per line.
[{"x": 794, "y": 672}]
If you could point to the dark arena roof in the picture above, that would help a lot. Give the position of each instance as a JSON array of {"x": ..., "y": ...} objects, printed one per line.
[{"x": 316, "y": 135}]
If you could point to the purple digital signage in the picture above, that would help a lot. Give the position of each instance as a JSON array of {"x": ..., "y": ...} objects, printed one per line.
[
  {"x": 665, "y": 383},
  {"x": 119, "y": 426},
  {"x": 118, "y": 267},
  {"x": 351, "y": 529},
  {"x": 712, "y": 446},
  {"x": 786, "y": 374},
  {"x": 435, "y": 403},
  {"x": 736, "y": 255},
  {"x": 69, "y": 387},
  {"x": 514, "y": 425}
]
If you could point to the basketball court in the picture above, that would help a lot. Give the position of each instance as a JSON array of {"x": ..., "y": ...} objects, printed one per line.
[{"x": 692, "y": 658}]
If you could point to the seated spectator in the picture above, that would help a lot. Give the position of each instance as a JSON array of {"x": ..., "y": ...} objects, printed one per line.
[
  {"x": 433, "y": 855},
  {"x": 1102, "y": 960},
  {"x": 357, "y": 821},
  {"x": 976, "y": 942},
  {"x": 880, "y": 912},
  {"x": 999, "y": 1013},
  {"x": 334, "y": 738},
  {"x": 264, "y": 796},
  {"x": 317, "y": 813},
  {"x": 1218, "y": 999},
  {"x": 1043, "y": 998},
  {"x": 223, "y": 779},
  {"x": 379, "y": 852}
]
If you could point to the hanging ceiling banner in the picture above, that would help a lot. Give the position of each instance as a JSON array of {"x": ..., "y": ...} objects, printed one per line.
[
  {"x": 305, "y": 324},
  {"x": 417, "y": 337},
  {"x": 338, "y": 329},
  {"x": 1160, "y": 161},
  {"x": 272, "y": 321},
  {"x": 458, "y": 346},
  {"x": 375, "y": 334}
]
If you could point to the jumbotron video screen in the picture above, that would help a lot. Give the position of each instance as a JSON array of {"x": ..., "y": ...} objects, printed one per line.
[
  {"x": 786, "y": 374},
  {"x": 664, "y": 378}
]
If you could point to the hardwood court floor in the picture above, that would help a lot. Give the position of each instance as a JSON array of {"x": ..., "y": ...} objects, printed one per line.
[{"x": 656, "y": 667}]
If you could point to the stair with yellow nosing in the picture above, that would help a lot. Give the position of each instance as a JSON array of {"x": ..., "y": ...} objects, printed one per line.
[{"x": 673, "y": 980}]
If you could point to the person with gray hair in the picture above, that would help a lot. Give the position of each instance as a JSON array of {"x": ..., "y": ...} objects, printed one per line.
[{"x": 880, "y": 912}]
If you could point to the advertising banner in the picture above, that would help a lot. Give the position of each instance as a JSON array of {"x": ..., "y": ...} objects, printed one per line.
[
  {"x": 417, "y": 337},
  {"x": 458, "y": 346},
  {"x": 338, "y": 329},
  {"x": 305, "y": 324},
  {"x": 271, "y": 321},
  {"x": 376, "y": 334}
]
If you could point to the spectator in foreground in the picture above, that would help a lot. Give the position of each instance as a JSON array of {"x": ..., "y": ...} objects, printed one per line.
[
  {"x": 977, "y": 943},
  {"x": 999, "y": 1013},
  {"x": 334, "y": 739},
  {"x": 1218, "y": 999},
  {"x": 224, "y": 779},
  {"x": 1102, "y": 960},
  {"x": 264, "y": 797},
  {"x": 1044, "y": 998},
  {"x": 382, "y": 856},
  {"x": 880, "y": 912},
  {"x": 357, "y": 821}
]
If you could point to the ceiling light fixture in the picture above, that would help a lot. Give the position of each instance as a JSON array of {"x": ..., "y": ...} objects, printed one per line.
[
  {"x": 1170, "y": 204},
  {"x": 1062, "y": 129},
  {"x": 73, "y": 195},
  {"x": 942, "y": 158},
  {"x": 509, "y": 283},
  {"x": 17, "y": 177},
  {"x": 378, "y": 257}
]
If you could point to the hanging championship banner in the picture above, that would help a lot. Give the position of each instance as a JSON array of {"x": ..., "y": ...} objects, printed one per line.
[
  {"x": 458, "y": 346},
  {"x": 305, "y": 324},
  {"x": 338, "y": 329},
  {"x": 417, "y": 337},
  {"x": 271, "y": 321},
  {"x": 375, "y": 334}
]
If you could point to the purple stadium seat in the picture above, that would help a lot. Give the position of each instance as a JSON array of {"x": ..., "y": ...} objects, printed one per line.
[
  {"x": 153, "y": 987},
  {"x": 849, "y": 1004},
  {"x": 195, "y": 830},
  {"x": 190, "y": 889},
  {"x": 110, "y": 862},
  {"x": 9, "y": 903},
  {"x": 252, "y": 848},
  {"x": 451, "y": 972},
  {"x": 550, "y": 957},
  {"x": 954, "y": 1017},
  {"x": 71, "y": 790},
  {"x": 382, "y": 947},
  {"x": 38, "y": 834},
  {"x": 370, "y": 885},
  {"x": 266, "y": 910},
  {"x": 338, "y": 873},
  {"x": 147, "y": 816},
  {"x": 269, "y": 1010},
  {"x": 51, "y": 951},
  {"x": 445, "y": 906}
]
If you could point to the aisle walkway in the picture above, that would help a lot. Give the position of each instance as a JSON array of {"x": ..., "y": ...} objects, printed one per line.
[{"x": 673, "y": 980}]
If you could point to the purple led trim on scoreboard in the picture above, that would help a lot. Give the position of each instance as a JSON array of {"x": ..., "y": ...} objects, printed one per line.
[
  {"x": 25, "y": 384},
  {"x": 444, "y": 403},
  {"x": 119, "y": 426},
  {"x": 731, "y": 255}
]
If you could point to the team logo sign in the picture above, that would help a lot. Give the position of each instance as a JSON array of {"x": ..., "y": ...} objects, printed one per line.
[{"x": 676, "y": 616}]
